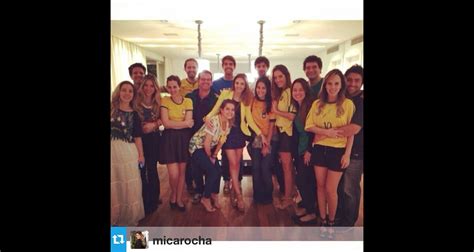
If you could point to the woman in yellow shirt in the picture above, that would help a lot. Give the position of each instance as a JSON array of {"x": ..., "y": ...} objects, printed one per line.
[
  {"x": 285, "y": 114},
  {"x": 261, "y": 155},
  {"x": 177, "y": 117},
  {"x": 330, "y": 154},
  {"x": 242, "y": 96}
]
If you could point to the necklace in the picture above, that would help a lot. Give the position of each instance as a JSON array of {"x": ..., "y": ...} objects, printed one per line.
[
  {"x": 222, "y": 123},
  {"x": 146, "y": 106}
]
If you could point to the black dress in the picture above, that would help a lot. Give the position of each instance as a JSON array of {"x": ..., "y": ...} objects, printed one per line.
[{"x": 236, "y": 138}]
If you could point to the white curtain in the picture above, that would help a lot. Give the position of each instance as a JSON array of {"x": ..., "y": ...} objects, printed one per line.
[
  {"x": 122, "y": 55},
  {"x": 168, "y": 67}
]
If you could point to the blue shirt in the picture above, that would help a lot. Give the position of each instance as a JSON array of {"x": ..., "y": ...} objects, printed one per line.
[{"x": 220, "y": 84}]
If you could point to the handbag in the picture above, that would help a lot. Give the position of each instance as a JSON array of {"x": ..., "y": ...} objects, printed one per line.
[{"x": 257, "y": 142}]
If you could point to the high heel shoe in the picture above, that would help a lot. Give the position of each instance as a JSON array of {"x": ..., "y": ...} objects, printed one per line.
[
  {"x": 240, "y": 203},
  {"x": 181, "y": 208},
  {"x": 285, "y": 202},
  {"x": 331, "y": 232},
  {"x": 306, "y": 220},
  {"x": 215, "y": 202},
  {"x": 300, "y": 212},
  {"x": 323, "y": 229},
  {"x": 173, "y": 205},
  {"x": 233, "y": 200},
  {"x": 299, "y": 204},
  {"x": 226, "y": 187}
]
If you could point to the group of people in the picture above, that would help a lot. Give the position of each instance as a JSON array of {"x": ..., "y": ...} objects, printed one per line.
[{"x": 308, "y": 133}]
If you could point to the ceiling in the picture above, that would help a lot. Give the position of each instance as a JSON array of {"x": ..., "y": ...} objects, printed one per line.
[{"x": 281, "y": 39}]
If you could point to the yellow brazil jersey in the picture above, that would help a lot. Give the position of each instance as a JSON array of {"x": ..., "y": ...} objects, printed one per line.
[
  {"x": 187, "y": 87},
  {"x": 176, "y": 112},
  {"x": 260, "y": 115},
  {"x": 328, "y": 119},
  {"x": 284, "y": 105}
]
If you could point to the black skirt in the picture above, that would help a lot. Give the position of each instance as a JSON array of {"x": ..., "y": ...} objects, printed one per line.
[
  {"x": 175, "y": 145},
  {"x": 235, "y": 139}
]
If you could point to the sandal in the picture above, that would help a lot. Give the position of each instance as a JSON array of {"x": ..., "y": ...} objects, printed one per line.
[
  {"x": 240, "y": 203},
  {"x": 323, "y": 229},
  {"x": 206, "y": 202},
  {"x": 286, "y": 202},
  {"x": 215, "y": 202},
  {"x": 233, "y": 200},
  {"x": 300, "y": 212},
  {"x": 331, "y": 232}
]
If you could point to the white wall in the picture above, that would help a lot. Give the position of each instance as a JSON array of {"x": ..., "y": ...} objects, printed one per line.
[
  {"x": 295, "y": 66},
  {"x": 347, "y": 55},
  {"x": 344, "y": 58},
  {"x": 154, "y": 56}
]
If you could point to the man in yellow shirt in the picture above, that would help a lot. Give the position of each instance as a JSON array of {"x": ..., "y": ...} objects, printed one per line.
[{"x": 190, "y": 82}]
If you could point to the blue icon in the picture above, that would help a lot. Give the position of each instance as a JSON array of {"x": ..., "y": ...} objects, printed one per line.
[{"x": 118, "y": 239}]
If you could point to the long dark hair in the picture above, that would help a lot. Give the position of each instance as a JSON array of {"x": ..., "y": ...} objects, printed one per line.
[
  {"x": 307, "y": 101},
  {"x": 268, "y": 95},
  {"x": 276, "y": 90}
]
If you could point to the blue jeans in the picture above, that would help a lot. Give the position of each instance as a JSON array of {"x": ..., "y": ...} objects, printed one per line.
[
  {"x": 188, "y": 175},
  {"x": 213, "y": 172},
  {"x": 261, "y": 176},
  {"x": 348, "y": 193},
  {"x": 306, "y": 183},
  {"x": 198, "y": 174}
]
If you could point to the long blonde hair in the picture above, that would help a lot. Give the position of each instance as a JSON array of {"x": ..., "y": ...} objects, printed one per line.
[
  {"x": 246, "y": 96},
  {"x": 155, "y": 99},
  {"x": 115, "y": 104},
  {"x": 324, "y": 96}
]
